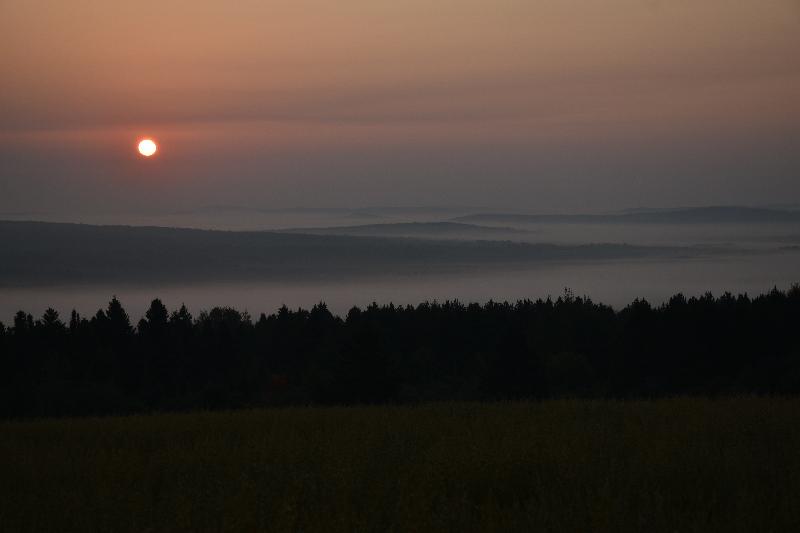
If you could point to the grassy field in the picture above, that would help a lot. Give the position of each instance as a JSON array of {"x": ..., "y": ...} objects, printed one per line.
[{"x": 683, "y": 464}]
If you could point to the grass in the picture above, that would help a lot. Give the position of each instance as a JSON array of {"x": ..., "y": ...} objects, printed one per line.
[{"x": 683, "y": 464}]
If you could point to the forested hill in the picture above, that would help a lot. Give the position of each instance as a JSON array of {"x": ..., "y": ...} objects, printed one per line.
[
  {"x": 416, "y": 229},
  {"x": 39, "y": 253},
  {"x": 689, "y": 215},
  {"x": 571, "y": 346}
]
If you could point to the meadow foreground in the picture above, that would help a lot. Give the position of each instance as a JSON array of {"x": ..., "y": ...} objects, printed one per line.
[{"x": 683, "y": 464}]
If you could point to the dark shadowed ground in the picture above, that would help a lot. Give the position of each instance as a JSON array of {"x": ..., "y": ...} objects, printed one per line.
[{"x": 684, "y": 464}]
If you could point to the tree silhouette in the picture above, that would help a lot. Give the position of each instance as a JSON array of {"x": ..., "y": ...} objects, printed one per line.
[{"x": 569, "y": 346}]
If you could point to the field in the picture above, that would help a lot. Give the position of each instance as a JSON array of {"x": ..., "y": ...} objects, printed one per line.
[{"x": 683, "y": 464}]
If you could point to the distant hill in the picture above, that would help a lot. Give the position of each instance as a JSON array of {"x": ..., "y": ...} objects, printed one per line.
[
  {"x": 415, "y": 229},
  {"x": 38, "y": 253},
  {"x": 693, "y": 215},
  {"x": 339, "y": 212}
]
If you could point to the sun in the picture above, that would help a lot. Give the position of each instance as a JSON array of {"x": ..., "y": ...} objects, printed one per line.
[{"x": 147, "y": 147}]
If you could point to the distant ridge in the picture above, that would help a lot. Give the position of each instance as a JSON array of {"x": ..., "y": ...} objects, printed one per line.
[
  {"x": 691, "y": 215},
  {"x": 42, "y": 253},
  {"x": 415, "y": 229},
  {"x": 376, "y": 210}
]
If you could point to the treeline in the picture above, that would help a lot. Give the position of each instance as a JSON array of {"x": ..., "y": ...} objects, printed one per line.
[{"x": 569, "y": 346}]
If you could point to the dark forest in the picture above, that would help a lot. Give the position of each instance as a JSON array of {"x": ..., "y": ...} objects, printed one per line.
[{"x": 564, "y": 347}]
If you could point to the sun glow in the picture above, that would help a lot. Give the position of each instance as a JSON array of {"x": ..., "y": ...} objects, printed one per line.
[{"x": 147, "y": 147}]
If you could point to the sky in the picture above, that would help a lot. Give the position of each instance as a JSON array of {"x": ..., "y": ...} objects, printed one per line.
[{"x": 536, "y": 106}]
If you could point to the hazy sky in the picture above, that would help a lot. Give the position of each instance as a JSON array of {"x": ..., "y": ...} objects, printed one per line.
[{"x": 541, "y": 105}]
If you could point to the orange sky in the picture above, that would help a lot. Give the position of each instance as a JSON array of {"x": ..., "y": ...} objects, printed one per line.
[{"x": 261, "y": 94}]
